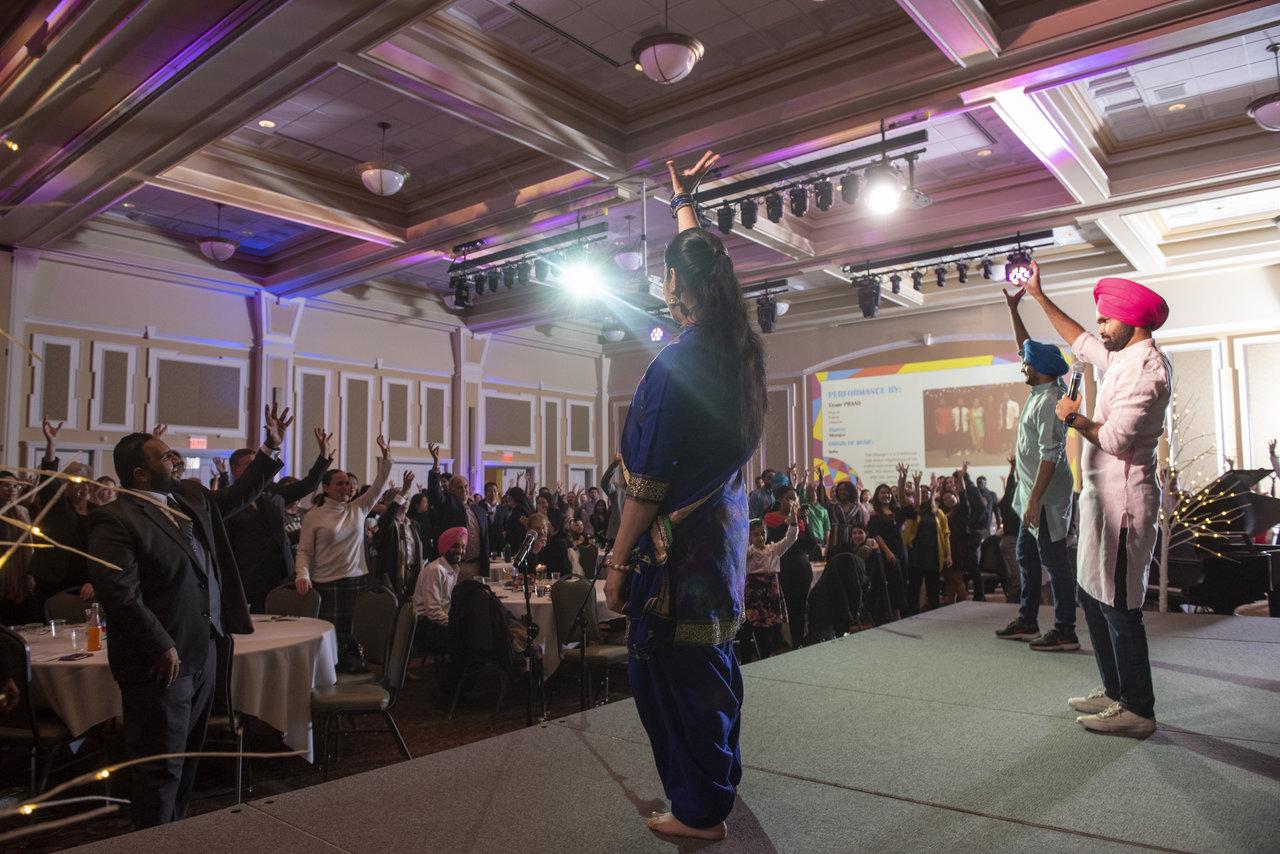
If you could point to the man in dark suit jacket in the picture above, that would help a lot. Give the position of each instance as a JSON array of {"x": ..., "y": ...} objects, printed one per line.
[
  {"x": 173, "y": 595},
  {"x": 454, "y": 508},
  {"x": 257, "y": 533}
]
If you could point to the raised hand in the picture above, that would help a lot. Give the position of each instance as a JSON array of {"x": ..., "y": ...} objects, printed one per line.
[
  {"x": 434, "y": 450},
  {"x": 406, "y": 481},
  {"x": 159, "y": 430},
  {"x": 902, "y": 470},
  {"x": 1271, "y": 447},
  {"x": 916, "y": 475},
  {"x": 617, "y": 455},
  {"x": 275, "y": 422},
  {"x": 383, "y": 447},
  {"x": 687, "y": 180},
  {"x": 322, "y": 439},
  {"x": 51, "y": 432},
  {"x": 1014, "y": 298},
  {"x": 220, "y": 465}
]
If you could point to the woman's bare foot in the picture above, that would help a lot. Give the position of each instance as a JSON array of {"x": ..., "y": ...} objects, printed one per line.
[{"x": 668, "y": 825}]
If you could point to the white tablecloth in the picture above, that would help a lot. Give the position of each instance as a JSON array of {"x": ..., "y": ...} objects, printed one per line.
[
  {"x": 274, "y": 671},
  {"x": 542, "y": 613}
]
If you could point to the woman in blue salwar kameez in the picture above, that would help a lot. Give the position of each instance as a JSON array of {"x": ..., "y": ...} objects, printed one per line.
[{"x": 678, "y": 567}]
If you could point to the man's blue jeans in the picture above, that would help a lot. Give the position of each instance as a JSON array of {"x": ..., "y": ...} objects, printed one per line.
[{"x": 1037, "y": 548}]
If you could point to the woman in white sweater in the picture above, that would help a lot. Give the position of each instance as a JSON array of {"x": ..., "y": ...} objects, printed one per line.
[{"x": 331, "y": 556}]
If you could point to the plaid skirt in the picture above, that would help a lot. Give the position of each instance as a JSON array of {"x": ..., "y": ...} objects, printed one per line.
[{"x": 338, "y": 602}]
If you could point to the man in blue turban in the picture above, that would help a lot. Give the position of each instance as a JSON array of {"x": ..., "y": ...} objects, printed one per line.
[{"x": 1042, "y": 497}]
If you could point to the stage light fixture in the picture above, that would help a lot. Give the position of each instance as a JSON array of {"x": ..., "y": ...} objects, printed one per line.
[
  {"x": 541, "y": 270},
  {"x": 1017, "y": 268},
  {"x": 773, "y": 206},
  {"x": 917, "y": 279},
  {"x": 748, "y": 210},
  {"x": 766, "y": 313},
  {"x": 823, "y": 194},
  {"x": 523, "y": 271},
  {"x": 477, "y": 283},
  {"x": 869, "y": 295},
  {"x": 850, "y": 184},
  {"x": 724, "y": 218},
  {"x": 657, "y": 333},
  {"x": 508, "y": 276},
  {"x": 986, "y": 267},
  {"x": 495, "y": 279},
  {"x": 895, "y": 282},
  {"x": 962, "y": 271},
  {"x": 940, "y": 273},
  {"x": 799, "y": 198},
  {"x": 883, "y": 191},
  {"x": 580, "y": 278},
  {"x": 461, "y": 294}
]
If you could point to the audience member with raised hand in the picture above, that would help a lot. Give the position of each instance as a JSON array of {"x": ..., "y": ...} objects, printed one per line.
[
  {"x": 764, "y": 608},
  {"x": 331, "y": 551},
  {"x": 928, "y": 537},
  {"x": 451, "y": 501},
  {"x": 171, "y": 594},
  {"x": 796, "y": 572},
  {"x": 884, "y": 531},
  {"x": 398, "y": 551},
  {"x": 63, "y": 517}
]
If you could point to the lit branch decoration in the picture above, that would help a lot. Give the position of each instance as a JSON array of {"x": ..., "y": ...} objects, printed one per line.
[{"x": 1190, "y": 515}]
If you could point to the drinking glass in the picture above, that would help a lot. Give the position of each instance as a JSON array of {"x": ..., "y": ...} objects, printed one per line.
[
  {"x": 57, "y": 627},
  {"x": 78, "y": 637}
]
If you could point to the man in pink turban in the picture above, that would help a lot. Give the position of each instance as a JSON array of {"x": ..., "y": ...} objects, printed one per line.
[
  {"x": 434, "y": 591},
  {"x": 1120, "y": 495}
]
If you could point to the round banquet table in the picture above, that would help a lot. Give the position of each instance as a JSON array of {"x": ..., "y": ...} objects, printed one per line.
[
  {"x": 544, "y": 616},
  {"x": 273, "y": 673}
]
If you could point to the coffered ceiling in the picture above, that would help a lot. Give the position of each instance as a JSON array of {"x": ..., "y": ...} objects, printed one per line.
[{"x": 519, "y": 120}]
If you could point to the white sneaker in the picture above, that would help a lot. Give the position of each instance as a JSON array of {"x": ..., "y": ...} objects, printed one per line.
[
  {"x": 1117, "y": 720},
  {"x": 1092, "y": 703}
]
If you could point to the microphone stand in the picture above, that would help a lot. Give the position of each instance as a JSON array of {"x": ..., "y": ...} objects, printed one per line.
[
  {"x": 531, "y": 628},
  {"x": 580, "y": 622}
]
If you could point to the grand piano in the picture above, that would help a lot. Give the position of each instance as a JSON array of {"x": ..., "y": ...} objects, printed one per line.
[{"x": 1222, "y": 572}]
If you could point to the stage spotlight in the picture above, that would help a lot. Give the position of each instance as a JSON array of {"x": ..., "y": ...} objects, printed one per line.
[
  {"x": 962, "y": 271},
  {"x": 748, "y": 210},
  {"x": 823, "y": 194},
  {"x": 884, "y": 187},
  {"x": 986, "y": 267},
  {"x": 477, "y": 283},
  {"x": 1017, "y": 268},
  {"x": 869, "y": 295},
  {"x": 917, "y": 279},
  {"x": 657, "y": 333},
  {"x": 580, "y": 278},
  {"x": 773, "y": 206},
  {"x": 724, "y": 219},
  {"x": 523, "y": 272},
  {"x": 495, "y": 280},
  {"x": 799, "y": 197},
  {"x": 766, "y": 312},
  {"x": 509, "y": 277},
  {"x": 541, "y": 270},
  {"x": 895, "y": 281},
  {"x": 849, "y": 186},
  {"x": 461, "y": 294},
  {"x": 940, "y": 273}
]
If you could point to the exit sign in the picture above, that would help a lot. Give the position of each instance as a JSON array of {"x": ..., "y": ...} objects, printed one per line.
[
  {"x": 508, "y": 457},
  {"x": 198, "y": 443}
]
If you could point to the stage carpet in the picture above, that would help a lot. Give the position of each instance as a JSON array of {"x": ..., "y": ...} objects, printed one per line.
[{"x": 928, "y": 734}]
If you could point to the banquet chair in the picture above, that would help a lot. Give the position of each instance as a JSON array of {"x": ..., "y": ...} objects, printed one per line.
[
  {"x": 568, "y": 595},
  {"x": 38, "y": 730},
  {"x": 373, "y": 618},
  {"x": 334, "y": 702},
  {"x": 66, "y": 605},
  {"x": 991, "y": 565},
  {"x": 486, "y": 645},
  {"x": 589, "y": 560},
  {"x": 285, "y": 601},
  {"x": 225, "y": 723}
]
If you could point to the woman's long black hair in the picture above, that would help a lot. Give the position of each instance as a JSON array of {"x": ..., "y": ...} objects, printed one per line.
[{"x": 705, "y": 273}]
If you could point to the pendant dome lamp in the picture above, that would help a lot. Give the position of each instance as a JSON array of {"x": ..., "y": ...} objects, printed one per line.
[
  {"x": 217, "y": 248},
  {"x": 1266, "y": 110},
  {"x": 627, "y": 253},
  {"x": 380, "y": 177},
  {"x": 667, "y": 57}
]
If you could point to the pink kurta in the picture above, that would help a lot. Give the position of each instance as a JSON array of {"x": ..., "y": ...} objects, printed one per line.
[{"x": 1120, "y": 486}]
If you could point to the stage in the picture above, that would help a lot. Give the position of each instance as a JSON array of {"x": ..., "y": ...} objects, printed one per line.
[{"x": 927, "y": 734}]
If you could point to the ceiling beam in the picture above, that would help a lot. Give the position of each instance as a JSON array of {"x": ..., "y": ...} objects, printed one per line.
[{"x": 962, "y": 29}]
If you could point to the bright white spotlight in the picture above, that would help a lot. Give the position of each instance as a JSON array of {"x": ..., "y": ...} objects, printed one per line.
[
  {"x": 883, "y": 188},
  {"x": 580, "y": 279},
  {"x": 656, "y": 334}
]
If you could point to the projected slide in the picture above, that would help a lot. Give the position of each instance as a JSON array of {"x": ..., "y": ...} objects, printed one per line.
[{"x": 930, "y": 415}]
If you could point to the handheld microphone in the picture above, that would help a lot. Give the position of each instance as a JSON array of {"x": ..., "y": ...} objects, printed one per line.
[{"x": 1077, "y": 379}]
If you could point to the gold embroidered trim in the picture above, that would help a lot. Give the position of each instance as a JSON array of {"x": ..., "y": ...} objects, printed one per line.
[
  {"x": 709, "y": 634},
  {"x": 647, "y": 489}
]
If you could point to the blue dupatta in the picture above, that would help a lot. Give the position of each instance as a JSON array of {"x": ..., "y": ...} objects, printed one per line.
[{"x": 680, "y": 451}]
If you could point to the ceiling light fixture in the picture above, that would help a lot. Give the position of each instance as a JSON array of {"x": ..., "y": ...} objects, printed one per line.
[
  {"x": 667, "y": 57},
  {"x": 129, "y": 205},
  {"x": 986, "y": 267},
  {"x": 628, "y": 254},
  {"x": 983, "y": 152},
  {"x": 773, "y": 207},
  {"x": 799, "y": 197},
  {"x": 940, "y": 273},
  {"x": 657, "y": 333},
  {"x": 783, "y": 307},
  {"x": 613, "y": 332},
  {"x": 884, "y": 185},
  {"x": 380, "y": 177},
  {"x": 217, "y": 248},
  {"x": 1266, "y": 110},
  {"x": 8, "y": 143},
  {"x": 266, "y": 124},
  {"x": 962, "y": 271},
  {"x": 917, "y": 279},
  {"x": 868, "y": 295},
  {"x": 849, "y": 188},
  {"x": 1177, "y": 108},
  {"x": 748, "y": 211},
  {"x": 823, "y": 194},
  {"x": 461, "y": 292},
  {"x": 895, "y": 281},
  {"x": 724, "y": 218},
  {"x": 1017, "y": 269},
  {"x": 766, "y": 313}
]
